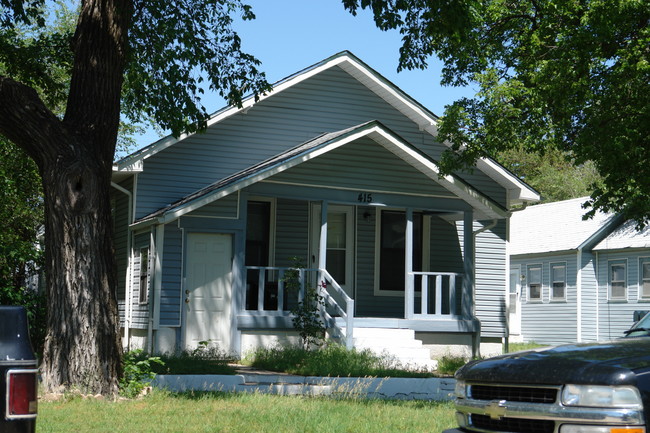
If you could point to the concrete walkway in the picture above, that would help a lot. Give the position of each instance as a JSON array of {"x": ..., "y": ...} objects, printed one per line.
[{"x": 249, "y": 380}]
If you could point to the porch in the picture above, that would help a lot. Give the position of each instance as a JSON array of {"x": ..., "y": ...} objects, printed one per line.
[{"x": 433, "y": 304}]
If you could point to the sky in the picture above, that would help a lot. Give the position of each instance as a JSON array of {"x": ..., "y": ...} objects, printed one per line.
[{"x": 290, "y": 35}]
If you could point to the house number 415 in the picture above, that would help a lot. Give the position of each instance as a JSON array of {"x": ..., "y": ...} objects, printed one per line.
[{"x": 364, "y": 197}]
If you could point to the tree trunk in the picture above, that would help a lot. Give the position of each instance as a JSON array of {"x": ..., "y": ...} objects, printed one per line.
[
  {"x": 74, "y": 155},
  {"x": 82, "y": 348}
]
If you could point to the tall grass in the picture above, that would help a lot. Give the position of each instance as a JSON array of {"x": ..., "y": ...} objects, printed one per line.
[
  {"x": 332, "y": 360},
  {"x": 162, "y": 412}
]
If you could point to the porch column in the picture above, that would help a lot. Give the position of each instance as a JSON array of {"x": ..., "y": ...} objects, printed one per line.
[
  {"x": 409, "y": 289},
  {"x": 322, "y": 246},
  {"x": 467, "y": 303}
]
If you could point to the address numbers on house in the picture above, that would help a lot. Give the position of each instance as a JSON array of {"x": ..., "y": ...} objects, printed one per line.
[{"x": 364, "y": 197}]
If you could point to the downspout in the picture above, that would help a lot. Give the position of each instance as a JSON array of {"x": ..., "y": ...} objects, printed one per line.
[
  {"x": 579, "y": 296},
  {"x": 128, "y": 286}
]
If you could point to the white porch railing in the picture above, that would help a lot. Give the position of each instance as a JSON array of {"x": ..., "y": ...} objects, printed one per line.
[
  {"x": 273, "y": 299},
  {"x": 438, "y": 292},
  {"x": 328, "y": 283}
]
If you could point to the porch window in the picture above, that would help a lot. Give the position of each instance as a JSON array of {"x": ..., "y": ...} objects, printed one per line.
[
  {"x": 644, "y": 284},
  {"x": 558, "y": 283},
  {"x": 143, "y": 278},
  {"x": 535, "y": 283},
  {"x": 617, "y": 281},
  {"x": 392, "y": 251},
  {"x": 258, "y": 247}
]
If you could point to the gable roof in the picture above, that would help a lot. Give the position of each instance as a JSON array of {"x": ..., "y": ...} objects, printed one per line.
[
  {"x": 625, "y": 236},
  {"x": 555, "y": 227},
  {"x": 517, "y": 190},
  {"x": 315, "y": 147}
]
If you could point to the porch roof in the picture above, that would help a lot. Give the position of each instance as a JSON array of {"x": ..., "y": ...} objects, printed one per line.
[{"x": 483, "y": 205}]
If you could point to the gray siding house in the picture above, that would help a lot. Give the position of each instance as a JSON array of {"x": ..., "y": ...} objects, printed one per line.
[
  {"x": 572, "y": 279},
  {"x": 334, "y": 169}
]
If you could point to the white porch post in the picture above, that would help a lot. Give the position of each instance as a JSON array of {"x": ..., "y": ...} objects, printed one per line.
[
  {"x": 409, "y": 289},
  {"x": 468, "y": 265},
  {"x": 322, "y": 246}
]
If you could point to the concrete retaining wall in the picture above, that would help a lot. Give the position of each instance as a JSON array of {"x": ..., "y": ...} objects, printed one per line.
[{"x": 386, "y": 388}]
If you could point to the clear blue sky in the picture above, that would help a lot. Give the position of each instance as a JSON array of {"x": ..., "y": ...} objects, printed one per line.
[{"x": 290, "y": 35}]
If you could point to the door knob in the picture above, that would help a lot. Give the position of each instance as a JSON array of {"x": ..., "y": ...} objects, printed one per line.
[{"x": 187, "y": 300}]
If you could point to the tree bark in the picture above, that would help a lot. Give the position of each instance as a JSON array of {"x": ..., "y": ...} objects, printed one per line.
[{"x": 74, "y": 155}]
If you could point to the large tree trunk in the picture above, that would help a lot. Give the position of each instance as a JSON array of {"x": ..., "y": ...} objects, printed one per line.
[
  {"x": 74, "y": 155},
  {"x": 82, "y": 347}
]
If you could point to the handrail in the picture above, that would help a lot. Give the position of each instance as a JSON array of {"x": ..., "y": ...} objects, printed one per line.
[
  {"x": 325, "y": 282},
  {"x": 348, "y": 314}
]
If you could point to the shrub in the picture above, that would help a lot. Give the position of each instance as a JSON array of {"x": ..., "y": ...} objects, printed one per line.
[{"x": 138, "y": 372}]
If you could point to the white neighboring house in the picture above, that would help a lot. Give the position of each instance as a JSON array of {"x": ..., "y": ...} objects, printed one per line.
[{"x": 573, "y": 279}]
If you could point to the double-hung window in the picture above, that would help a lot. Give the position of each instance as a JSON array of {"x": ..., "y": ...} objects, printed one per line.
[
  {"x": 143, "y": 296},
  {"x": 644, "y": 279},
  {"x": 617, "y": 280},
  {"x": 535, "y": 283},
  {"x": 558, "y": 283}
]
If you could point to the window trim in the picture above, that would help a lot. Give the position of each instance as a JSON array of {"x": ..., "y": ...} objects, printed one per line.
[
  {"x": 610, "y": 264},
  {"x": 640, "y": 297},
  {"x": 552, "y": 282},
  {"x": 529, "y": 299},
  {"x": 143, "y": 295},
  {"x": 426, "y": 246}
]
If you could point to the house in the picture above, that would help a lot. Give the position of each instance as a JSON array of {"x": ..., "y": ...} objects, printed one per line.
[
  {"x": 335, "y": 167},
  {"x": 573, "y": 279}
]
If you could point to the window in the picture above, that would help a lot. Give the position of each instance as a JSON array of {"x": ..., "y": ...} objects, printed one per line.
[
  {"x": 644, "y": 283},
  {"x": 535, "y": 283},
  {"x": 143, "y": 296},
  {"x": 258, "y": 253},
  {"x": 558, "y": 283},
  {"x": 393, "y": 249},
  {"x": 617, "y": 281}
]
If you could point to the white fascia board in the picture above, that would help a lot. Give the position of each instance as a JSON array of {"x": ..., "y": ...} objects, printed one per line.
[{"x": 431, "y": 170}]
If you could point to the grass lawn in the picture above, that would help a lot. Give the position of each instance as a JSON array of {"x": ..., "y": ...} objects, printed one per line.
[{"x": 162, "y": 412}]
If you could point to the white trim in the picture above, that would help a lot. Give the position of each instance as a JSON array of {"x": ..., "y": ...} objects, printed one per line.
[
  {"x": 579, "y": 295},
  {"x": 381, "y": 136}
]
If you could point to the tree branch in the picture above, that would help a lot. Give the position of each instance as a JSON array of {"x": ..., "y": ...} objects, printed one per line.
[{"x": 26, "y": 121}]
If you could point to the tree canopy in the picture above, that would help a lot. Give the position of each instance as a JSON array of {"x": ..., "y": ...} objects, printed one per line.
[
  {"x": 551, "y": 74},
  {"x": 155, "y": 58}
]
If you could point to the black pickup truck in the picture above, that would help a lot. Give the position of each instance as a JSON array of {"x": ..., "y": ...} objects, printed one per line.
[
  {"x": 18, "y": 373},
  {"x": 577, "y": 388}
]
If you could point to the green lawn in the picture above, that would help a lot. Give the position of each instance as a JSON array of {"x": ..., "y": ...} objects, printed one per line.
[{"x": 163, "y": 412}]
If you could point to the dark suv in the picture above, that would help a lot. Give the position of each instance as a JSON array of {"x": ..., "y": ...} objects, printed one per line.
[
  {"x": 18, "y": 373},
  {"x": 577, "y": 388}
]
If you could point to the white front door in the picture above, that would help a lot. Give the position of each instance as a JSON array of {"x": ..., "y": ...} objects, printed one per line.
[
  {"x": 514, "y": 305},
  {"x": 208, "y": 290},
  {"x": 340, "y": 244}
]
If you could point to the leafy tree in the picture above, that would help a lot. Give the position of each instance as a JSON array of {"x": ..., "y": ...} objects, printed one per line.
[
  {"x": 562, "y": 74},
  {"x": 551, "y": 172},
  {"x": 152, "y": 55}
]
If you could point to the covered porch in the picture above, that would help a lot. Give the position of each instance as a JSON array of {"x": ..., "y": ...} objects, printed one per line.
[{"x": 433, "y": 301}]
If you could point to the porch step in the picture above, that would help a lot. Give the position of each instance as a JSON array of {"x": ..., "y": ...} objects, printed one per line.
[{"x": 397, "y": 343}]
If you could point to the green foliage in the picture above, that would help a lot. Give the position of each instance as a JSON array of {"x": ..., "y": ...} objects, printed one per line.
[
  {"x": 565, "y": 75},
  {"x": 205, "y": 359},
  {"x": 551, "y": 172},
  {"x": 138, "y": 372},
  {"x": 448, "y": 364},
  {"x": 180, "y": 50},
  {"x": 306, "y": 315},
  {"x": 330, "y": 360}
]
